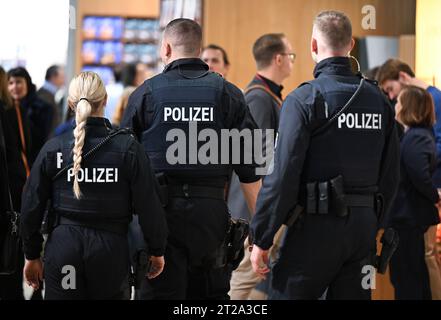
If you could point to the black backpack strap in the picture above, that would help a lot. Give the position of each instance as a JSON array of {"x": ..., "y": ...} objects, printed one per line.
[{"x": 89, "y": 153}]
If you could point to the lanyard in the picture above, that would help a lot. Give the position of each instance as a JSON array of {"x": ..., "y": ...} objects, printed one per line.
[{"x": 22, "y": 138}]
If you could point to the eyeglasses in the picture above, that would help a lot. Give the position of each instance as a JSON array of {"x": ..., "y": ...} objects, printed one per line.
[{"x": 291, "y": 56}]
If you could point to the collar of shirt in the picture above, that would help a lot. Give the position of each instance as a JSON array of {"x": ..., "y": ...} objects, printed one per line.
[
  {"x": 50, "y": 87},
  {"x": 187, "y": 63},
  {"x": 274, "y": 87},
  {"x": 98, "y": 122},
  {"x": 334, "y": 66}
]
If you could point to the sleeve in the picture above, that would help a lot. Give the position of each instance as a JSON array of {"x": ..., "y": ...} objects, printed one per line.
[
  {"x": 390, "y": 165},
  {"x": 146, "y": 203},
  {"x": 280, "y": 189},
  {"x": 238, "y": 116},
  {"x": 36, "y": 193},
  {"x": 261, "y": 108},
  {"x": 436, "y": 95},
  {"x": 416, "y": 155},
  {"x": 135, "y": 115}
]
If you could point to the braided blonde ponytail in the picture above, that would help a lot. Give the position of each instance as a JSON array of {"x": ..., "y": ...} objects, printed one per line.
[{"x": 86, "y": 95}]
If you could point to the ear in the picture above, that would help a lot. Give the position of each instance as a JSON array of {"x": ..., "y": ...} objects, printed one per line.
[
  {"x": 403, "y": 77},
  {"x": 105, "y": 101},
  {"x": 279, "y": 60},
  {"x": 314, "y": 45},
  {"x": 168, "y": 50},
  {"x": 352, "y": 44}
]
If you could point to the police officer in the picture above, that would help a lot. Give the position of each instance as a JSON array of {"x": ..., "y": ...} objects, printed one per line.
[
  {"x": 337, "y": 156},
  {"x": 86, "y": 255},
  {"x": 187, "y": 94}
]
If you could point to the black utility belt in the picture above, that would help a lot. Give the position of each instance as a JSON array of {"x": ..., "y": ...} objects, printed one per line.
[
  {"x": 194, "y": 191},
  {"x": 330, "y": 197},
  {"x": 110, "y": 226}
]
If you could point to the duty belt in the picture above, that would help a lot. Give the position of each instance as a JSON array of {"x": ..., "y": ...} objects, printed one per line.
[
  {"x": 193, "y": 191},
  {"x": 360, "y": 200},
  {"x": 110, "y": 226}
]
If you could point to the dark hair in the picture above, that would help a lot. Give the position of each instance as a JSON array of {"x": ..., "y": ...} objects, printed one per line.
[
  {"x": 51, "y": 72},
  {"x": 391, "y": 69},
  {"x": 266, "y": 47},
  {"x": 336, "y": 28},
  {"x": 5, "y": 97},
  {"x": 128, "y": 74},
  {"x": 222, "y": 50},
  {"x": 21, "y": 72},
  {"x": 185, "y": 35},
  {"x": 417, "y": 107}
]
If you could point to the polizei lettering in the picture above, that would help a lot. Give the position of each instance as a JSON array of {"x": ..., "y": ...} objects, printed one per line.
[
  {"x": 366, "y": 121},
  {"x": 187, "y": 114},
  {"x": 94, "y": 175}
]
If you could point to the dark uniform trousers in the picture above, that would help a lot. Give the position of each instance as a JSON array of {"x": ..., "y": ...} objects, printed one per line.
[
  {"x": 197, "y": 227},
  {"x": 96, "y": 256},
  {"x": 408, "y": 270},
  {"x": 326, "y": 253}
]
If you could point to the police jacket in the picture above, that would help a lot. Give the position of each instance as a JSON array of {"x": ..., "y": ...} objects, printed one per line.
[
  {"x": 362, "y": 145},
  {"x": 116, "y": 181},
  {"x": 187, "y": 92},
  {"x": 417, "y": 195}
]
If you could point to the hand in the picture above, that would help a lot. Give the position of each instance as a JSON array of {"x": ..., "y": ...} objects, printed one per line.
[
  {"x": 259, "y": 261},
  {"x": 407, "y": 80},
  {"x": 157, "y": 267},
  {"x": 33, "y": 273}
]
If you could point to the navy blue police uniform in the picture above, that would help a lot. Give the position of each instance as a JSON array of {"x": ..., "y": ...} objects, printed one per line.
[
  {"x": 197, "y": 215},
  {"x": 90, "y": 236},
  {"x": 354, "y": 158}
]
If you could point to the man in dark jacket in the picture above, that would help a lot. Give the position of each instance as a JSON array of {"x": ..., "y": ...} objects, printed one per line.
[
  {"x": 274, "y": 60},
  {"x": 54, "y": 80},
  {"x": 330, "y": 164}
]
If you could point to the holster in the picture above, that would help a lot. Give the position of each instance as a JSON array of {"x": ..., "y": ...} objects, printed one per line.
[
  {"x": 232, "y": 250},
  {"x": 338, "y": 203},
  {"x": 389, "y": 240},
  {"x": 141, "y": 266}
]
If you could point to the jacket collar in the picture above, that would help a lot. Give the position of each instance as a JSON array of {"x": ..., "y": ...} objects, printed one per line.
[{"x": 334, "y": 66}]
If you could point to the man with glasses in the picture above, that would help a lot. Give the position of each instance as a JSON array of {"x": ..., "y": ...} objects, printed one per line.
[{"x": 274, "y": 60}]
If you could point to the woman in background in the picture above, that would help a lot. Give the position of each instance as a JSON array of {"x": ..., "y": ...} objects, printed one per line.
[
  {"x": 415, "y": 205},
  {"x": 11, "y": 286},
  {"x": 39, "y": 113}
]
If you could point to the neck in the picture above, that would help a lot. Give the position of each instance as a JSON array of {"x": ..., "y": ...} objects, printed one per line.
[
  {"x": 327, "y": 55},
  {"x": 177, "y": 57},
  {"x": 98, "y": 113},
  {"x": 272, "y": 75}
]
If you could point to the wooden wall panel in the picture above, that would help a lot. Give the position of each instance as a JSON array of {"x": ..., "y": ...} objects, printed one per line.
[{"x": 236, "y": 24}]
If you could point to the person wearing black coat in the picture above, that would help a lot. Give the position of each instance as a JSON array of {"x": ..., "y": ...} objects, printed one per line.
[
  {"x": 39, "y": 112},
  {"x": 415, "y": 208}
]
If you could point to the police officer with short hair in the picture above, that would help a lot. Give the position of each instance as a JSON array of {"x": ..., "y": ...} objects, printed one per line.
[
  {"x": 95, "y": 178},
  {"x": 186, "y": 94},
  {"x": 337, "y": 156}
]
